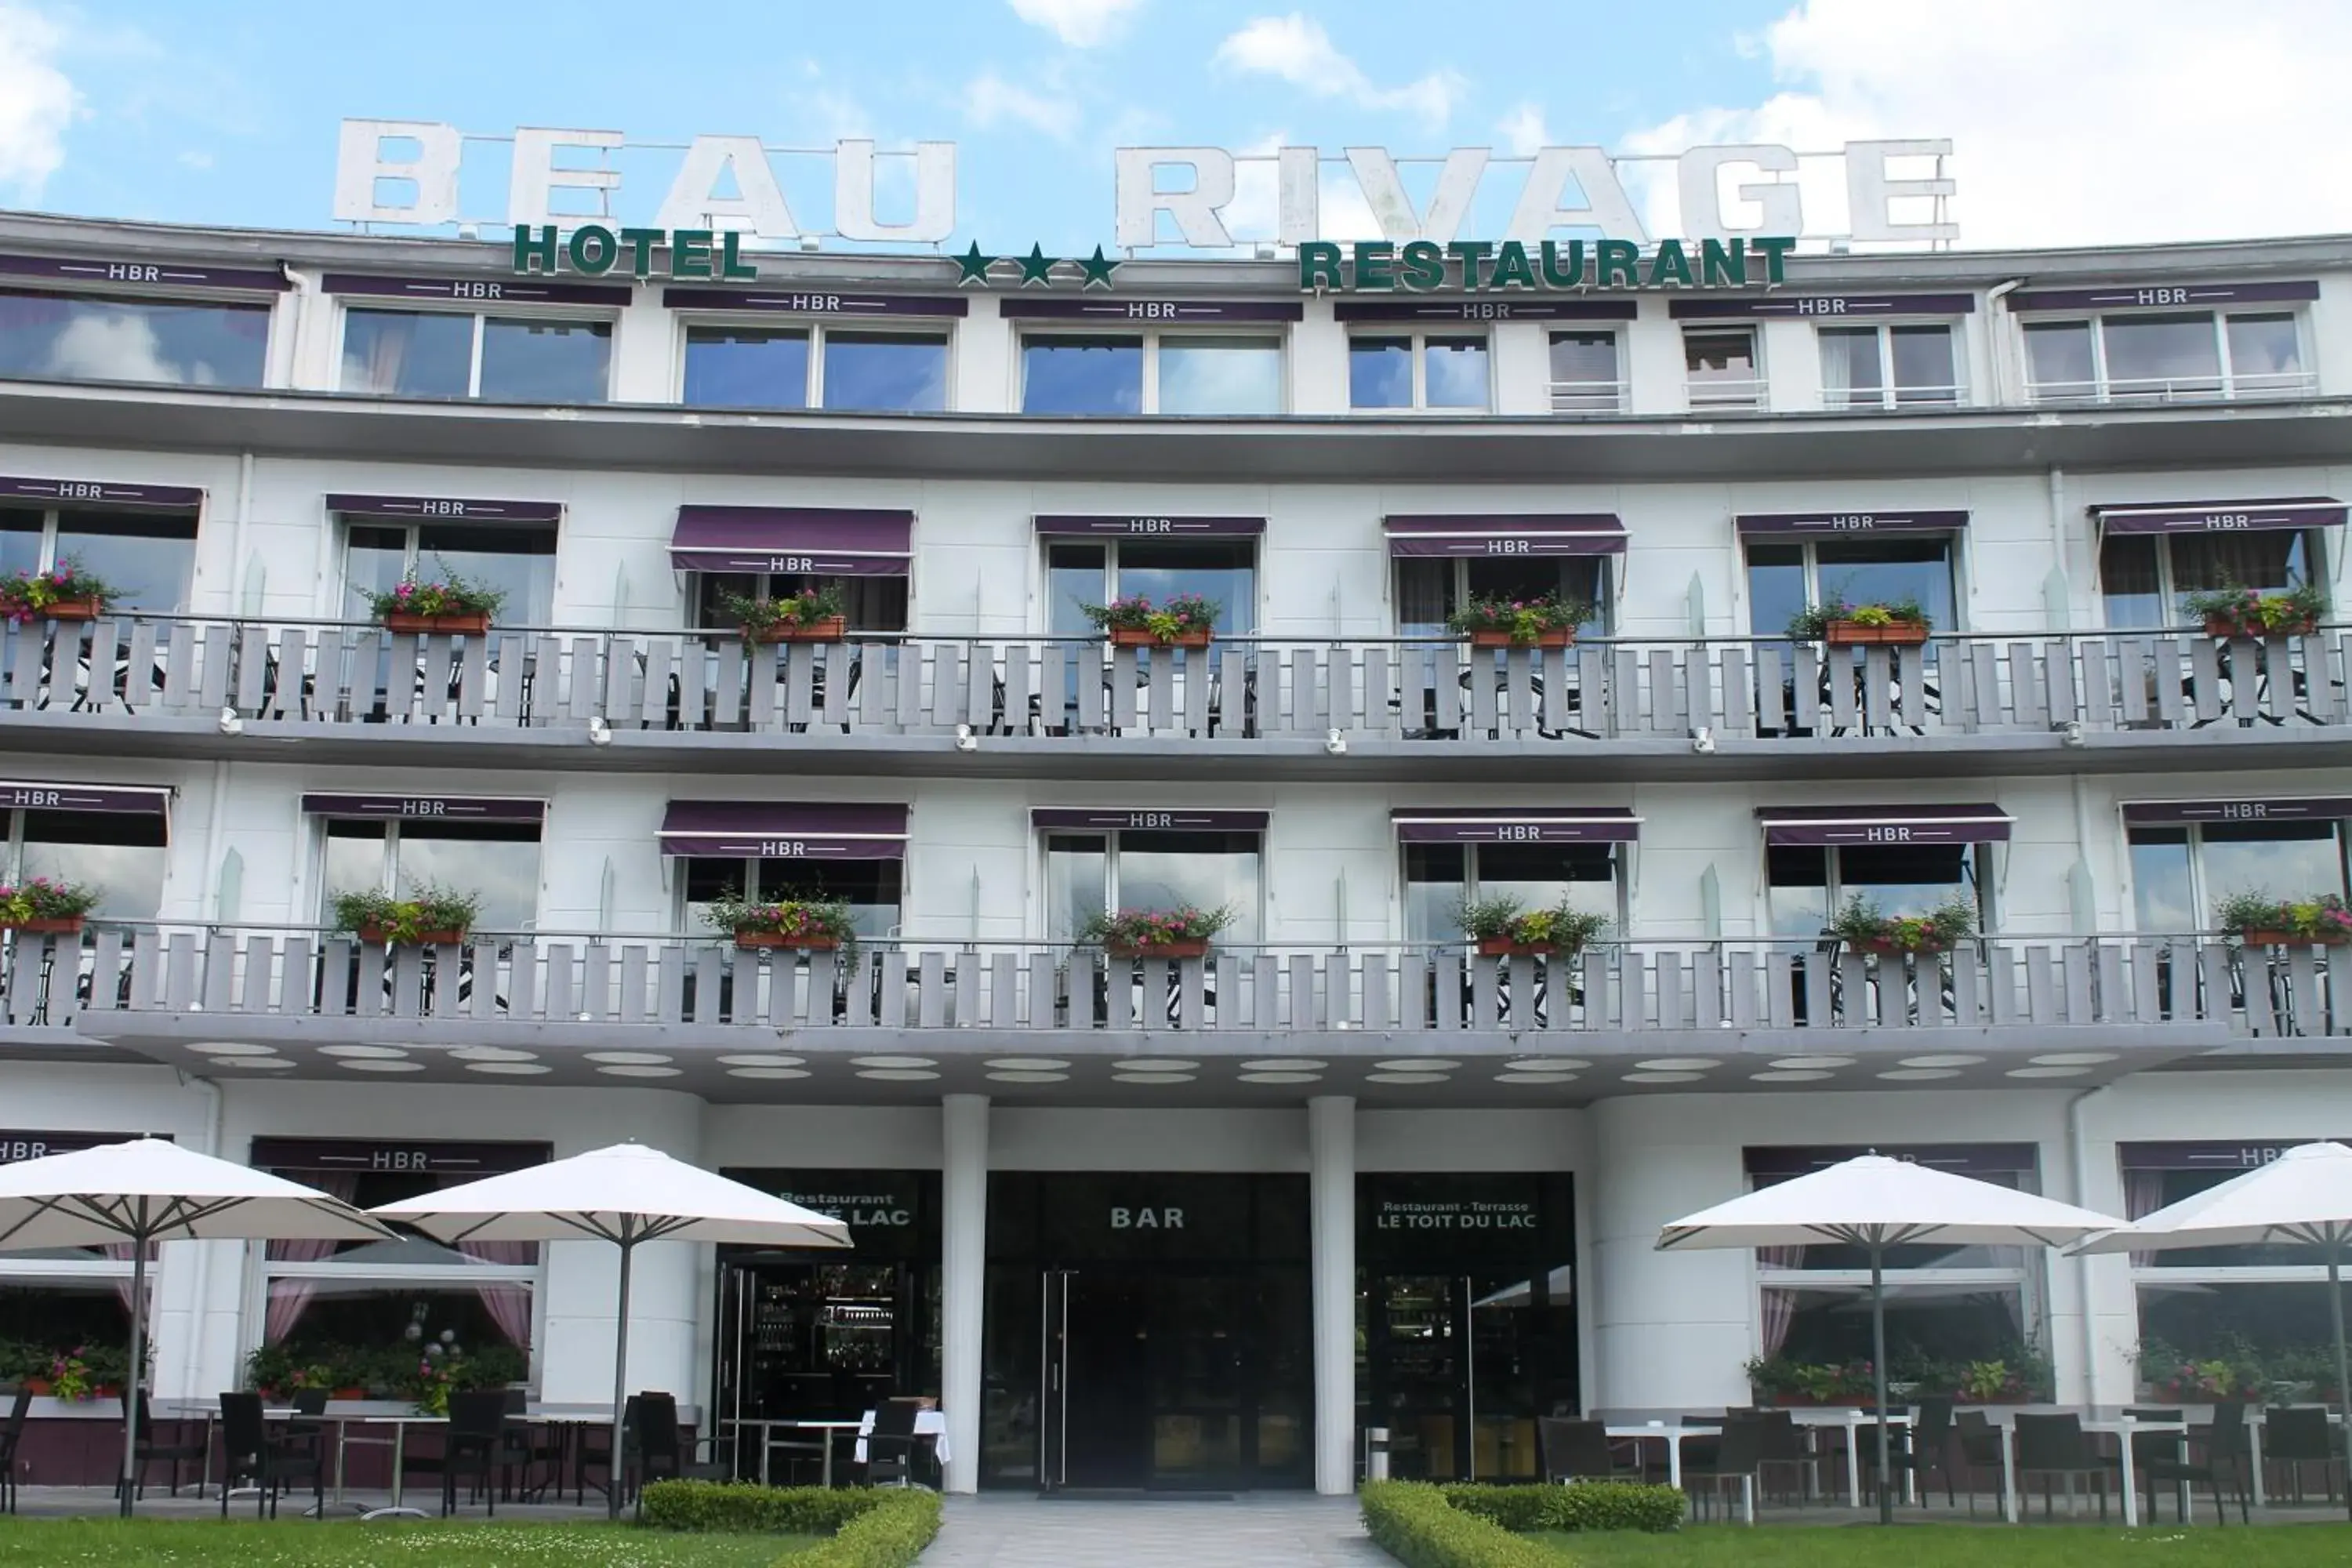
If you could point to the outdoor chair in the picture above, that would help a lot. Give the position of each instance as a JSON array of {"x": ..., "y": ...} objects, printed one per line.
[
  {"x": 1735, "y": 1458},
  {"x": 476, "y": 1429},
  {"x": 2051, "y": 1446},
  {"x": 10, "y": 1436},
  {"x": 1978, "y": 1441},
  {"x": 1926, "y": 1445},
  {"x": 1785, "y": 1448},
  {"x": 660, "y": 1453},
  {"x": 307, "y": 1402},
  {"x": 248, "y": 1452},
  {"x": 1576, "y": 1450},
  {"x": 2167, "y": 1458},
  {"x": 891, "y": 1447},
  {"x": 596, "y": 1447},
  {"x": 2299, "y": 1435},
  {"x": 524, "y": 1445},
  {"x": 145, "y": 1449}
]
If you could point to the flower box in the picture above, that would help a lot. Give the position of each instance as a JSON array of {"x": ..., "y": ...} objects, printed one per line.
[
  {"x": 826, "y": 628},
  {"x": 352, "y": 1394},
  {"x": 2258, "y": 937},
  {"x": 1141, "y": 637},
  {"x": 2224, "y": 626},
  {"x": 472, "y": 624},
  {"x": 762, "y": 936},
  {"x": 63, "y": 925},
  {"x": 1503, "y": 947},
  {"x": 1858, "y": 633},
  {"x": 1560, "y": 637},
  {"x": 1197, "y": 948},
  {"x": 38, "y": 1387},
  {"x": 380, "y": 936},
  {"x": 73, "y": 610}
]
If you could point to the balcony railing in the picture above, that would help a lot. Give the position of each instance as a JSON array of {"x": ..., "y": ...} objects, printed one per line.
[
  {"x": 131, "y": 980},
  {"x": 1728, "y": 393},
  {"x": 2203, "y": 388},
  {"x": 326, "y": 675},
  {"x": 1591, "y": 397}
]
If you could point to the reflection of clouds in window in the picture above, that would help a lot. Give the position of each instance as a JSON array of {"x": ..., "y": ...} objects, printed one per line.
[
  {"x": 1220, "y": 376},
  {"x": 129, "y": 877},
  {"x": 113, "y": 347},
  {"x": 506, "y": 875},
  {"x": 2162, "y": 900},
  {"x": 886, "y": 371},
  {"x": 2277, "y": 868}
]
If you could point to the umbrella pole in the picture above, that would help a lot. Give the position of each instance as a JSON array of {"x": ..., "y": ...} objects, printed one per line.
[
  {"x": 1878, "y": 1375},
  {"x": 138, "y": 1365},
  {"x": 2342, "y": 1384},
  {"x": 620, "y": 1389}
]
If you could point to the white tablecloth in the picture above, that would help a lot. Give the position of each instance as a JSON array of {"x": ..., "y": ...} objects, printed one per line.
[{"x": 931, "y": 1424}]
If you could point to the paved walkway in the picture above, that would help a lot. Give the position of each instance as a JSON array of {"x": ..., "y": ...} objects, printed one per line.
[{"x": 1263, "y": 1530}]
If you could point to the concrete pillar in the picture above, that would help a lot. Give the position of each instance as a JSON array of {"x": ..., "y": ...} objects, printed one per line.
[
  {"x": 963, "y": 1265},
  {"x": 1331, "y": 1181}
]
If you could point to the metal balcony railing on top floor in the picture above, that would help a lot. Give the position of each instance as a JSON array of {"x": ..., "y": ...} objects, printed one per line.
[
  {"x": 129, "y": 979},
  {"x": 325, "y": 675}
]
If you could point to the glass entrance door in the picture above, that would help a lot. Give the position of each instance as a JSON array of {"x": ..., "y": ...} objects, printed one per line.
[
  {"x": 1457, "y": 1372},
  {"x": 820, "y": 1341}
]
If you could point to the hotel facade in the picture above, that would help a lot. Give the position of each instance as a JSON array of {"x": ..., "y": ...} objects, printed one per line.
[{"x": 1150, "y": 1223}]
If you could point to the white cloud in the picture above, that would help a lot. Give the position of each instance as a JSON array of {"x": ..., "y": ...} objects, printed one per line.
[
  {"x": 1081, "y": 24},
  {"x": 196, "y": 158},
  {"x": 1523, "y": 131},
  {"x": 1297, "y": 50},
  {"x": 2094, "y": 122},
  {"x": 989, "y": 100},
  {"x": 36, "y": 100}
]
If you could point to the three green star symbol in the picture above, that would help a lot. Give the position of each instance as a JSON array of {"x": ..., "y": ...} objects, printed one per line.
[
  {"x": 1096, "y": 267},
  {"x": 1036, "y": 267},
  {"x": 975, "y": 267}
]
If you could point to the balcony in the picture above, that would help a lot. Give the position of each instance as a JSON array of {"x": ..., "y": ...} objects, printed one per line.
[
  {"x": 2127, "y": 392},
  {"x": 195, "y": 686}
]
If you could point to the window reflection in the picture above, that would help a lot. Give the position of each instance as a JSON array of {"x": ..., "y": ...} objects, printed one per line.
[
  {"x": 1455, "y": 370},
  {"x": 546, "y": 362},
  {"x": 67, "y": 338},
  {"x": 896, "y": 373},
  {"x": 747, "y": 367},
  {"x": 1808, "y": 882},
  {"x": 870, "y": 888},
  {"x": 121, "y": 855},
  {"x": 1438, "y": 876},
  {"x": 498, "y": 860},
  {"x": 147, "y": 558},
  {"x": 1223, "y": 571},
  {"x": 1220, "y": 376},
  {"x": 1077, "y": 373},
  {"x": 2161, "y": 356},
  {"x": 1379, "y": 372},
  {"x": 408, "y": 353},
  {"x": 1085, "y": 873}
]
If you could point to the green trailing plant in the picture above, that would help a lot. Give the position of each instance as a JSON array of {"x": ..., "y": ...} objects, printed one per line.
[
  {"x": 862, "y": 1527},
  {"x": 1586, "y": 1505},
  {"x": 2248, "y": 612},
  {"x": 1812, "y": 623},
  {"x": 1522, "y": 620},
  {"x": 793, "y": 612},
  {"x": 1178, "y": 615},
  {"x": 445, "y": 593},
  {"x": 405, "y": 920},
  {"x": 1859, "y": 922},
  {"x": 28, "y": 594},
  {"x": 45, "y": 898},
  {"x": 1560, "y": 929},
  {"x": 2324, "y": 918},
  {"x": 1153, "y": 928},
  {"x": 797, "y": 916}
]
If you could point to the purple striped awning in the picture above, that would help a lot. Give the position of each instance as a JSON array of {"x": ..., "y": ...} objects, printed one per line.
[
  {"x": 824, "y": 541},
  {"x": 1109, "y": 818},
  {"x": 2164, "y": 295},
  {"x": 426, "y": 807},
  {"x": 2207, "y": 1155},
  {"x": 444, "y": 508},
  {"x": 1505, "y": 533},
  {"x": 1515, "y": 824},
  {"x": 785, "y": 829},
  {"x": 1884, "y": 824},
  {"x": 1821, "y": 307},
  {"x": 2176, "y": 813},
  {"x": 126, "y": 800},
  {"x": 102, "y": 492},
  {"x": 480, "y": 290},
  {"x": 125, "y": 271},
  {"x": 2219, "y": 516},
  {"x": 1899, "y": 521},
  {"x": 1096, "y": 525}
]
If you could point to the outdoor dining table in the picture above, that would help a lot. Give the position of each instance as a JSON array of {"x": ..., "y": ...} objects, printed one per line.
[
  {"x": 1849, "y": 1420},
  {"x": 2122, "y": 1427},
  {"x": 766, "y": 1426},
  {"x": 931, "y": 1424}
]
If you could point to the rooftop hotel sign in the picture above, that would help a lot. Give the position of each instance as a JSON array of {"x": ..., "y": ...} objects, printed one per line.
[{"x": 405, "y": 172}]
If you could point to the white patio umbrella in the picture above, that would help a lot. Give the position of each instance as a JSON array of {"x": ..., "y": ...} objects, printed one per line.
[
  {"x": 626, "y": 1195},
  {"x": 1875, "y": 1202},
  {"x": 150, "y": 1190},
  {"x": 2303, "y": 1198}
]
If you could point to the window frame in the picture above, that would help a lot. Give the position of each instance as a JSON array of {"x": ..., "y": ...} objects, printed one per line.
[
  {"x": 11, "y": 854},
  {"x": 1621, "y": 390},
  {"x": 1419, "y": 337},
  {"x": 1111, "y": 837},
  {"x": 388, "y": 878},
  {"x": 1978, "y": 882},
  {"x": 682, "y": 905},
  {"x": 1889, "y": 394},
  {"x": 1147, "y": 396},
  {"x": 1110, "y": 544},
  {"x": 2167, "y": 588},
  {"x": 1956, "y": 563},
  {"x": 2201, "y": 890},
  {"x": 1621, "y": 870},
  {"x": 413, "y": 551},
  {"x": 268, "y": 303},
  {"x": 818, "y": 329},
  {"x": 46, "y": 551},
  {"x": 2103, "y": 389},
  {"x": 1604, "y": 604},
  {"x": 1760, "y": 395},
  {"x": 576, "y": 315}
]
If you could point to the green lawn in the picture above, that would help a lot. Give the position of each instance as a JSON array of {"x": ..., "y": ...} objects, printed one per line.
[
  {"x": 1964, "y": 1546},
  {"x": 291, "y": 1542}
]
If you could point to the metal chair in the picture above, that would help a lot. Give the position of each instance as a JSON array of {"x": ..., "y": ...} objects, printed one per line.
[
  {"x": 1925, "y": 1445},
  {"x": 890, "y": 1447},
  {"x": 1575, "y": 1451},
  {"x": 1979, "y": 1442},
  {"x": 523, "y": 1446},
  {"x": 1735, "y": 1458},
  {"x": 248, "y": 1452},
  {"x": 2300, "y": 1434},
  {"x": 475, "y": 1433},
  {"x": 2051, "y": 1446},
  {"x": 145, "y": 1450},
  {"x": 659, "y": 1453},
  {"x": 2162, "y": 1456},
  {"x": 10, "y": 1436}
]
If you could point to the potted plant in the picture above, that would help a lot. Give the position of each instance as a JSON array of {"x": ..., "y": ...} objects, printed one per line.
[
  {"x": 1548, "y": 622},
  {"x": 2247, "y": 612},
  {"x": 2257, "y": 919},
  {"x": 42, "y": 905},
  {"x": 1838, "y": 624},
  {"x": 1503, "y": 928},
  {"x": 63, "y": 592},
  {"x": 1180, "y": 932},
  {"x": 805, "y": 921},
  {"x": 813, "y": 615},
  {"x": 1182, "y": 620},
  {"x": 69, "y": 1378},
  {"x": 1866, "y": 930},
  {"x": 448, "y": 603},
  {"x": 428, "y": 916}
]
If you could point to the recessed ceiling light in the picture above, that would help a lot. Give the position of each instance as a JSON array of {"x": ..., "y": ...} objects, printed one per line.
[
  {"x": 1286, "y": 1064},
  {"x": 1790, "y": 1075},
  {"x": 1419, "y": 1064},
  {"x": 261, "y": 1063},
  {"x": 1152, "y": 1078},
  {"x": 2048, "y": 1072},
  {"x": 894, "y": 1061},
  {"x": 492, "y": 1053},
  {"x": 1547, "y": 1064},
  {"x": 384, "y": 1066},
  {"x": 1156, "y": 1064},
  {"x": 1282, "y": 1077},
  {"x": 1407, "y": 1078},
  {"x": 1679, "y": 1064},
  {"x": 509, "y": 1070},
  {"x": 1806, "y": 1064},
  {"x": 1663, "y": 1077},
  {"x": 629, "y": 1059},
  {"x": 1535, "y": 1077},
  {"x": 761, "y": 1059},
  {"x": 2072, "y": 1059},
  {"x": 767, "y": 1072},
  {"x": 1943, "y": 1059},
  {"x": 232, "y": 1048},
  {"x": 1020, "y": 1077},
  {"x": 639, "y": 1069},
  {"x": 1028, "y": 1064},
  {"x": 1919, "y": 1075},
  {"x": 364, "y": 1053},
  {"x": 898, "y": 1075}
]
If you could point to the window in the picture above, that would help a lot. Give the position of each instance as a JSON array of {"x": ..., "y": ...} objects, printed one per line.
[
  {"x": 1805, "y": 884},
  {"x": 2179, "y": 872},
  {"x": 815, "y": 366},
  {"x": 871, "y": 604},
  {"x": 1151, "y": 373},
  {"x": 1222, "y": 571},
  {"x": 518, "y": 559},
  {"x": 1585, "y": 378},
  {"x": 870, "y": 886},
  {"x": 1888, "y": 366},
  {"x": 1783, "y": 578},
  {"x": 66, "y": 337},
  {"x": 1086, "y": 873},
  {"x": 1418, "y": 370},
  {"x": 446, "y": 353},
  {"x": 2142, "y": 576},
  {"x": 1429, "y": 589},
  {"x": 2161, "y": 357},
  {"x": 1438, "y": 876},
  {"x": 1720, "y": 367},
  {"x": 121, "y": 854},
  {"x": 148, "y": 557},
  {"x": 498, "y": 860}
]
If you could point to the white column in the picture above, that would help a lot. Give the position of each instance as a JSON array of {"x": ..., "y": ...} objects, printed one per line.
[
  {"x": 963, "y": 1261},
  {"x": 1331, "y": 1181}
]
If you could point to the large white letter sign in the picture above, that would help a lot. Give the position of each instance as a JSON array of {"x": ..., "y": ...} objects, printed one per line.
[
  {"x": 359, "y": 162},
  {"x": 1604, "y": 206},
  {"x": 1871, "y": 196},
  {"x": 1141, "y": 202},
  {"x": 759, "y": 209},
  {"x": 853, "y": 193},
  {"x": 531, "y": 187},
  {"x": 1376, "y": 172},
  {"x": 1780, "y": 209},
  {"x": 1298, "y": 194}
]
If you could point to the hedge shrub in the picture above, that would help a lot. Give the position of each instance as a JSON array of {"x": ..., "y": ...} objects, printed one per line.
[
  {"x": 1581, "y": 1505},
  {"x": 864, "y": 1527},
  {"x": 1413, "y": 1523}
]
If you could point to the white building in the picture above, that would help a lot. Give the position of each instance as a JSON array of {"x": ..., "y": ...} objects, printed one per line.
[{"x": 1339, "y": 1173}]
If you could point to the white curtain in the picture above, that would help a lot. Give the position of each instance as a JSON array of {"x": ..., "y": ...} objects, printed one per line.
[
  {"x": 508, "y": 1303},
  {"x": 1777, "y": 1307},
  {"x": 2142, "y": 1195},
  {"x": 289, "y": 1299}
]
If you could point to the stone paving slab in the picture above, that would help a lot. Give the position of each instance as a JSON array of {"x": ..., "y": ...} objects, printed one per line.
[{"x": 1264, "y": 1531}]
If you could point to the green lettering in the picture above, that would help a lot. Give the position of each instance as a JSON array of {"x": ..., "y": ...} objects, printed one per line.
[
  {"x": 1774, "y": 251},
  {"x": 730, "y": 257},
  {"x": 641, "y": 243},
  {"x": 1318, "y": 265},
  {"x": 534, "y": 255},
  {"x": 1670, "y": 264},
  {"x": 1617, "y": 261},
  {"x": 1471, "y": 252},
  {"x": 1557, "y": 276},
  {"x": 1425, "y": 265},
  {"x": 593, "y": 249},
  {"x": 1372, "y": 258},
  {"x": 1511, "y": 268},
  {"x": 689, "y": 253},
  {"x": 1718, "y": 264}
]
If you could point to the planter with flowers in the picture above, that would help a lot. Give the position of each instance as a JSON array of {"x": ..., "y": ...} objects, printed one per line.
[
  {"x": 1503, "y": 928},
  {"x": 1775, "y": 1381},
  {"x": 1866, "y": 930},
  {"x": 802, "y": 921},
  {"x": 813, "y": 615},
  {"x": 1181, "y": 620},
  {"x": 1183, "y": 931},
  {"x": 41, "y": 906},
  {"x": 1838, "y": 624},
  {"x": 448, "y": 603},
  {"x": 2260, "y": 920},
  {"x": 2247, "y": 612},
  {"x": 63, "y": 592},
  {"x": 427, "y": 916},
  {"x": 1546, "y": 622}
]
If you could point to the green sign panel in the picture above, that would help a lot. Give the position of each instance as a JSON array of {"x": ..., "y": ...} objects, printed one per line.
[{"x": 1476, "y": 266}]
